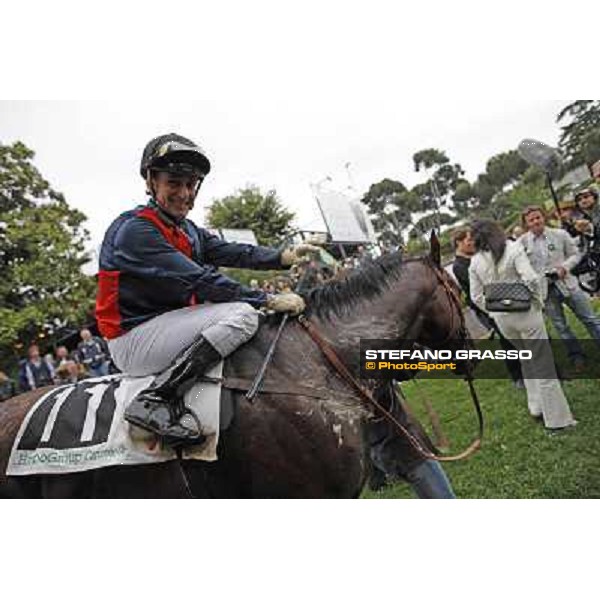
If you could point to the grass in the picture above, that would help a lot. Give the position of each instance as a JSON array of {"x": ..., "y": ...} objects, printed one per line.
[{"x": 518, "y": 458}]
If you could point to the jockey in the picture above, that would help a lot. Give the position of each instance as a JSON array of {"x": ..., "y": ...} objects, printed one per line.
[{"x": 162, "y": 305}]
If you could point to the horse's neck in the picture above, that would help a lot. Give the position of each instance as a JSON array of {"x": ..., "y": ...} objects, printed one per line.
[{"x": 391, "y": 315}]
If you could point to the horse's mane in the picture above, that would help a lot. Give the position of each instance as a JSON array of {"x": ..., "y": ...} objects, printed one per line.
[{"x": 335, "y": 297}]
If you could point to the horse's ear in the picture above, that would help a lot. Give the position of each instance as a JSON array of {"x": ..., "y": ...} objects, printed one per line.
[{"x": 435, "y": 250}]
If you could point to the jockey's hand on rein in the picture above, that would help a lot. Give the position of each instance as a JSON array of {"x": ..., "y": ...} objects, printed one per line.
[
  {"x": 298, "y": 253},
  {"x": 287, "y": 302}
]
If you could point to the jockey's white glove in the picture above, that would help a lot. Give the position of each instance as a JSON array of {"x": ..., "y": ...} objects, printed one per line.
[
  {"x": 298, "y": 253},
  {"x": 287, "y": 302}
]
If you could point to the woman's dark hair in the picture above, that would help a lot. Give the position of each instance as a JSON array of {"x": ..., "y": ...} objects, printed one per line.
[{"x": 489, "y": 235}]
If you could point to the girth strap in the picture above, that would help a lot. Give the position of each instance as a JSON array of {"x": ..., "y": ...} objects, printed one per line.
[{"x": 276, "y": 387}]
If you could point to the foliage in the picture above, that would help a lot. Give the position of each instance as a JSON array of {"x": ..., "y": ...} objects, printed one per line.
[
  {"x": 486, "y": 196},
  {"x": 41, "y": 254},
  {"x": 435, "y": 192},
  {"x": 249, "y": 208},
  {"x": 425, "y": 224},
  {"x": 591, "y": 146},
  {"x": 505, "y": 168},
  {"x": 391, "y": 206},
  {"x": 380, "y": 193},
  {"x": 580, "y": 135},
  {"x": 438, "y": 190},
  {"x": 510, "y": 203},
  {"x": 429, "y": 158}
]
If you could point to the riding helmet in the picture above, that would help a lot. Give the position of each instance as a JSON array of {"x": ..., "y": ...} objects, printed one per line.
[{"x": 175, "y": 154}]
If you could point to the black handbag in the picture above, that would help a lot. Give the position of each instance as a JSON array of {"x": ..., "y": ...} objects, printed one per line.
[{"x": 507, "y": 296}]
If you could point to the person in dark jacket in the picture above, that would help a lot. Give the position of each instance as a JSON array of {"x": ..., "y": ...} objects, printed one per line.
[
  {"x": 35, "y": 372},
  {"x": 162, "y": 304},
  {"x": 8, "y": 388},
  {"x": 92, "y": 354}
]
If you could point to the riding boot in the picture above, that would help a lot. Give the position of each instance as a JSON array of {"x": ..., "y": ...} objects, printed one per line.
[{"x": 161, "y": 409}]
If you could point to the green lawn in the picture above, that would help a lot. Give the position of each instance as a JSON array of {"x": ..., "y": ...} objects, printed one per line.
[{"x": 518, "y": 458}]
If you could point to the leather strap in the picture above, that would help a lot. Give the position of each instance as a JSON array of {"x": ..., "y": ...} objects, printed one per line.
[
  {"x": 270, "y": 386},
  {"x": 367, "y": 396}
]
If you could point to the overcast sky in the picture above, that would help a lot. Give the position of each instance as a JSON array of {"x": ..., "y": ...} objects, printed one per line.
[
  {"x": 91, "y": 150},
  {"x": 280, "y": 97}
]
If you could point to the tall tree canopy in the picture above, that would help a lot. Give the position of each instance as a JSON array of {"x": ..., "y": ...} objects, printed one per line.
[
  {"x": 580, "y": 137},
  {"x": 439, "y": 189},
  {"x": 42, "y": 251},
  {"x": 249, "y": 208},
  {"x": 391, "y": 206}
]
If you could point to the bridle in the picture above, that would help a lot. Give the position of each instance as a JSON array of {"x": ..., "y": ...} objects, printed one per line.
[{"x": 367, "y": 396}]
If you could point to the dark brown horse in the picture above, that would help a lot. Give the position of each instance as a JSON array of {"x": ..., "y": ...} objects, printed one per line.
[{"x": 304, "y": 436}]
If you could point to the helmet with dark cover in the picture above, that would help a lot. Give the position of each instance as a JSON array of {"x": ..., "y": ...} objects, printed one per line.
[{"x": 175, "y": 154}]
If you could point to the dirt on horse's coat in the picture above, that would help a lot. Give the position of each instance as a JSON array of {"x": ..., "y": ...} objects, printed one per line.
[{"x": 286, "y": 444}]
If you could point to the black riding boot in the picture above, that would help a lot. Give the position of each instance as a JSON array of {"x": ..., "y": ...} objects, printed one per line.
[{"x": 161, "y": 410}]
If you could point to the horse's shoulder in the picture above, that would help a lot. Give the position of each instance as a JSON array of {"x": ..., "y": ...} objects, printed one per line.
[{"x": 14, "y": 409}]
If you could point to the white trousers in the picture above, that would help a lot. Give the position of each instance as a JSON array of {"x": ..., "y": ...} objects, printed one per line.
[
  {"x": 545, "y": 396},
  {"x": 152, "y": 347}
]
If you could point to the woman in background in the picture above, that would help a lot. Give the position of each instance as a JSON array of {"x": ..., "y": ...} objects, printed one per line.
[{"x": 498, "y": 259}]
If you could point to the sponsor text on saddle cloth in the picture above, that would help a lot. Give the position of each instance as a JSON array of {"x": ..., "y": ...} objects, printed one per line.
[{"x": 80, "y": 427}]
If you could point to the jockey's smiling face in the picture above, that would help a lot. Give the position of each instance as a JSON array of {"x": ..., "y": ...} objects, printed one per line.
[{"x": 175, "y": 193}]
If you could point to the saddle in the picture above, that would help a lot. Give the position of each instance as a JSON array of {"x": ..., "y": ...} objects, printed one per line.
[{"x": 80, "y": 427}]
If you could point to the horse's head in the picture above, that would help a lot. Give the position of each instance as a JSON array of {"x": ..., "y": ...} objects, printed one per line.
[
  {"x": 395, "y": 298},
  {"x": 443, "y": 322}
]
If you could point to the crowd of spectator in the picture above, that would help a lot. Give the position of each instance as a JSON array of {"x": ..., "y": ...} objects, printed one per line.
[{"x": 89, "y": 359}]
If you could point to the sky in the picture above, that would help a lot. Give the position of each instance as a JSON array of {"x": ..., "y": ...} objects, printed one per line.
[
  {"x": 280, "y": 96},
  {"x": 90, "y": 150}
]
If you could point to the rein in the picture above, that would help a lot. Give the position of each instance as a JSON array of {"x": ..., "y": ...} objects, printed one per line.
[{"x": 365, "y": 394}]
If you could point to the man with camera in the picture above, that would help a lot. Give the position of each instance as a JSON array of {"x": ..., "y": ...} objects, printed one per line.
[
  {"x": 553, "y": 253},
  {"x": 588, "y": 223}
]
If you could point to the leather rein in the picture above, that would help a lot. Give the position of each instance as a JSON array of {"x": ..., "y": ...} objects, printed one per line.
[{"x": 367, "y": 397}]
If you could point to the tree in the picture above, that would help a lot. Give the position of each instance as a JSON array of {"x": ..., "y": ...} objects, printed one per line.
[
  {"x": 41, "y": 254},
  {"x": 463, "y": 197},
  {"x": 391, "y": 206},
  {"x": 580, "y": 138},
  {"x": 249, "y": 208},
  {"x": 486, "y": 197},
  {"x": 484, "y": 191},
  {"x": 438, "y": 190},
  {"x": 428, "y": 222},
  {"x": 380, "y": 193},
  {"x": 505, "y": 168},
  {"x": 508, "y": 204},
  {"x": 429, "y": 158},
  {"x": 591, "y": 147}
]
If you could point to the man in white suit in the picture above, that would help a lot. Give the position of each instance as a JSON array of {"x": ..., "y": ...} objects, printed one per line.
[{"x": 553, "y": 253}]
